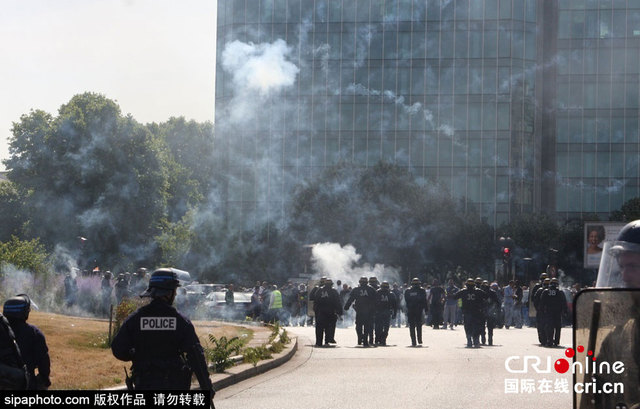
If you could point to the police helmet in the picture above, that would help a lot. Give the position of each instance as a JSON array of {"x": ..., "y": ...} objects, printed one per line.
[
  {"x": 17, "y": 307},
  {"x": 322, "y": 280},
  {"x": 543, "y": 276},
  {"x": 141, "y": 272},
  {"x": 554, "y": 281},
  {"x": 470, "y": 282},
  {"x": 162, "y": 282},
  {"x": 373, "y": 279},
  {"x": 415, "y": 281},
  {"x": 328, "y": 282},
  {"x": 625, "y": 250},
  {"x": 107, "y": 274},
  {"x": 478, "y": 281},
  {"x": 384, "y": 285},
  {"x": 363, "y": 280},
  {"x": 546, "y": 281}
]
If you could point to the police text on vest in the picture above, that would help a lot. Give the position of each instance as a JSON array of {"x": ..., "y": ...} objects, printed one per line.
[{"x": 158, "y": 323}]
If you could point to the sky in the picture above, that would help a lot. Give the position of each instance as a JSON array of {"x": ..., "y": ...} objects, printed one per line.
[{"x": 155, "y": 58}]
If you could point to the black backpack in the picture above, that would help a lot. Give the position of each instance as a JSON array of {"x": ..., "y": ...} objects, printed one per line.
[{"x": 13, "y": 371}]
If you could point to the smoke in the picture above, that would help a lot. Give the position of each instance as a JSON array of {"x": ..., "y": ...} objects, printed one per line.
[
  {"x": 341, "y": 263},
  {"x": 42, "y": 289},
  {"x": 259, "y": 67}
]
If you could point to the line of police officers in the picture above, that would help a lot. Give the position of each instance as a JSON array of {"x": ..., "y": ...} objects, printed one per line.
[{"x": 376, "y": 306}]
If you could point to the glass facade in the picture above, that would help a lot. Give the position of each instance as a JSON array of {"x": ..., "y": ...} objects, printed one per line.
[
  {"x": 451, "y": 90},
  {"x": 597, "y": 105}
]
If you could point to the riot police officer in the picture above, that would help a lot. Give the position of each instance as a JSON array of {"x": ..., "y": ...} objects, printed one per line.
[
  {"x": 327, "y": 307},
  {"x": 364, "y": 297},
  {"x": 312, "y": 295},
  {"x": 541, "y": 319},
  {"x": 373, "y": 283},
  {"x": 106, "y": 292},
  {"x": 473, "y": 302},
  {"x": 30, "y": 340},
  {"x": 491, "y": 310},
  {"x": 553, "y": 303},
  {"x": 534, "y": 297},
  {"x": 161, "y": 342},
  {"x": 386, "y": 309},
  {"x": 620, "y": 268},
  {"x": 416, "y": 299}
]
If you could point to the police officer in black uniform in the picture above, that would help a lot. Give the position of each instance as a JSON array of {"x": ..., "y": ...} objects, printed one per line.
[
  {"x": 534, "y": 297},
  {"x": 365, "y": 303},
  {"x": 541, "y": 319},
  {"x": 373, "y": 283},
  {"x": 553, "y": 303},
  {"x": 327, "y": 307},
  {"x": 161, "y": 342},
  {"x": 416, "y": 299},
  {"x": 30, "y": 340},
  {"x": 491, "y": 310},
  {"x": 386, "y": 309},
  {"x": 437, "y": 296},
  {"x": 473, "y": 302},
  {"x": 312, "y": 295},
  {"x": 483, "y": 320}
]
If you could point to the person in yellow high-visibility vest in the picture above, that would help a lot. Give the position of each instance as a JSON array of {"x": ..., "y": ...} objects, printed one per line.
[{"x": 275, "y": 304}]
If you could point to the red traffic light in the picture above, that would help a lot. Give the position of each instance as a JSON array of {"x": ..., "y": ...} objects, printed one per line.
[{"x": 505, "y": 250}]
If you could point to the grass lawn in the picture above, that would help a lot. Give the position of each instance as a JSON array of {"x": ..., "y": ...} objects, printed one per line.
[{"x": 80, "y": 356}]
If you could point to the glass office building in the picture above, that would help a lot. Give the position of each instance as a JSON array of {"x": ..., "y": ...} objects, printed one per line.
[
  {"x": 598, "y": 44},
  {"x": 462, "y": 92}
]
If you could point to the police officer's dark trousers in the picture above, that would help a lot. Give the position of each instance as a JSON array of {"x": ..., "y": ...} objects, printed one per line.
[
  {"x": 323, "y": 327},
  {"x": 415, "y": 325},
  {"x": 373, "y": 326},
  {"x": 541, "y": 320},
  {"x": 364, "y": 326},
  {"x": 383, "y": 319},
  {"x": 492, "y": 319},
  {"x": 553, "y": 324},
  {"x": 472, "y": 325}
]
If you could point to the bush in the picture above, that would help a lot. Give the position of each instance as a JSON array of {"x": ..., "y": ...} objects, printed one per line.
[
  {"x": 222, "y": 350},
  {"x": 254, "y": 355},
  {"x": 126, "y": 308}
]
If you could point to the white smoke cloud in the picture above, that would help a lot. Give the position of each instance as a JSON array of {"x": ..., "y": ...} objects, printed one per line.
[
  {"x": 259, "y": 67},
  {"x": 340, "y": 263}
]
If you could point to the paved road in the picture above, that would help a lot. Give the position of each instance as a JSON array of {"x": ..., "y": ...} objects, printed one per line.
[{"x": 442, "y": 374}]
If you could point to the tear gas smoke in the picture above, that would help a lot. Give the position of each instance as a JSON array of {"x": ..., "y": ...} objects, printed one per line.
[{"x": 340, "y": 263}]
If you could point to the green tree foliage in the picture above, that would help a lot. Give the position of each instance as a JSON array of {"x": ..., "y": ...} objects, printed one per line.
[
  {"x": 91, "y": 172},
  {"x": 25, "y": 255},
  {"x": 12, "y": 215},
  {"x": 191, "y": 146},
  {"x": 629, "y": 211},
  {"x": 24, "y": 267}
]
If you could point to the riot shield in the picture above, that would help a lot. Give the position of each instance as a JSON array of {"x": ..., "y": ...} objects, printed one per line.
[{"x": 606, "y": 349}]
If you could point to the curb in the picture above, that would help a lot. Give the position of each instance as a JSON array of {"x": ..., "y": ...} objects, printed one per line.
[{"x": 242, "y": 372}]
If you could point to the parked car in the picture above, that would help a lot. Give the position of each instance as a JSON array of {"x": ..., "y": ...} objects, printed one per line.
[{"x": 217, "y": 308}]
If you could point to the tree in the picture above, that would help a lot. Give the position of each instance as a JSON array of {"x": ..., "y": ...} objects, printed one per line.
[
  {"x": 94, "y": 173},
  {"x": 629, "y": 211},
  {"x": 12, "y": 215}
]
